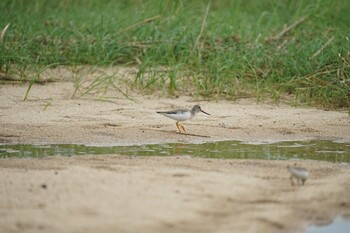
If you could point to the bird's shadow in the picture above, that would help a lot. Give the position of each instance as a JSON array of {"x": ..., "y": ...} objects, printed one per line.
[{"x": 179, "y": 133}]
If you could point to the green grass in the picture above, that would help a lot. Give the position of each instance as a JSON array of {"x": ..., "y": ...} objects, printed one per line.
[{"x": 221, "y": 49}]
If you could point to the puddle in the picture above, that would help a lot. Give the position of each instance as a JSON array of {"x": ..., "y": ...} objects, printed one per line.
[
  {"x": 315, "y": 150},
  {"x": 339, "y": 225}
]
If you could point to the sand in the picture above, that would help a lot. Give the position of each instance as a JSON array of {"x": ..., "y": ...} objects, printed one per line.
[{"x": 115, "y": 193}]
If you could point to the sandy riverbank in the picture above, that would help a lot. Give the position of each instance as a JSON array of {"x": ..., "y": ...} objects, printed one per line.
[{"x": 115, "y": 193}]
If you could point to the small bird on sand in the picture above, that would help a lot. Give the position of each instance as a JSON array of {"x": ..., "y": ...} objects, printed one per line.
[
  {"x": 299, "y": 173},
  {"x": 182, "y": 115}
]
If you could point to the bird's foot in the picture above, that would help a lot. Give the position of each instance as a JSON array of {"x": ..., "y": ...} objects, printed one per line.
[{"x": 181, "y": 128}]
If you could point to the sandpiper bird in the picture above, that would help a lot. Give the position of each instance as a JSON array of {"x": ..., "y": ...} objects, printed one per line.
[
  {"x": 182, "y": 115},
  {"x": 299, "y": 173}
]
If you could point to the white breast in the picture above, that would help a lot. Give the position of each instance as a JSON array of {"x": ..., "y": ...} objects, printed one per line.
[{"x": 178, "y": 117}]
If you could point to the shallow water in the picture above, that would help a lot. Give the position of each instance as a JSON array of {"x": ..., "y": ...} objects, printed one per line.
[
  {"x": 315, "y": 150},
  {"x": 339, "y": 225}
]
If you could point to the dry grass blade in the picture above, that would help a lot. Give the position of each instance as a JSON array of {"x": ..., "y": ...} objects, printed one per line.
[
  {"x": 329, "y": 41},
  {"x": 145, "y": 21},
  {"x": 2, "y": 35},
  {"x": 286, "y": 29},
  {"x": 202, "y": 27}
]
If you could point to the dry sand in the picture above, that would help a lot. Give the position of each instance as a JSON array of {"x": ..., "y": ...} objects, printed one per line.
[{"x": 115, "y": 193}]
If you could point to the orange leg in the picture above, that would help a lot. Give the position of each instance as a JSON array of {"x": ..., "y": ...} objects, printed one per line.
[{"x": 180, "y": 127}]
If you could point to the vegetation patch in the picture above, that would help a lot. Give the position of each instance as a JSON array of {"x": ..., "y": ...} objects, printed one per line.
[{"x": 210, "y": 49}]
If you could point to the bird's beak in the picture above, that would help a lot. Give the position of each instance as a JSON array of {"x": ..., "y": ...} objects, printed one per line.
[{"x": 205, "y": 112}]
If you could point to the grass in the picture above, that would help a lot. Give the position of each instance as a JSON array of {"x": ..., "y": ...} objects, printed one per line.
[{"x": 220, "y": 49}]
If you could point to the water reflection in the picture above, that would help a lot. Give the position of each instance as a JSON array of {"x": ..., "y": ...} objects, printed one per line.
[{"x": 316, "y": 150}]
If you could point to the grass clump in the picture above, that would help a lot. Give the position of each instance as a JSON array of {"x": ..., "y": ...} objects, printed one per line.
[{"x": 218, "y": 49}]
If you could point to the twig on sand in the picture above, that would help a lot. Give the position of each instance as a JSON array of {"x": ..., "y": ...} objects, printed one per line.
[
  {"x": 329, "y": 41},
  {"x": 195, "y": 135},
  {"x": 286, "y": 29}
]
